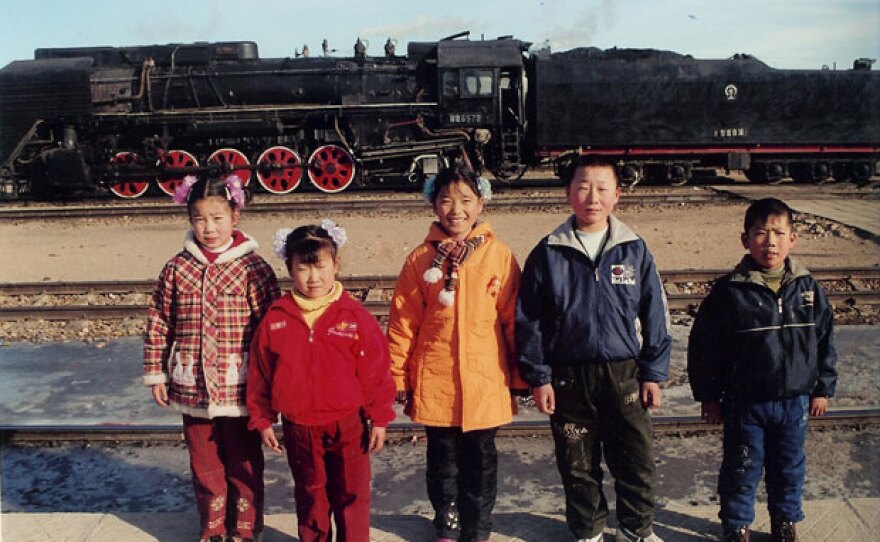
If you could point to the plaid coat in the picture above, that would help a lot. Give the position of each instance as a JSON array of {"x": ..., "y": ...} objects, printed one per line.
[{"x": 201, "y": 320}]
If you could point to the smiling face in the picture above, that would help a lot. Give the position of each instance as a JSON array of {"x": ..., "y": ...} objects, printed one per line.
[
  {"x": 314, "y": 279},
  {"x": 458, "y": 207},
  {"x": 592, "y": 193},
  {"x": 213, "y": 221},
  {"x": 769, "y": 242}
]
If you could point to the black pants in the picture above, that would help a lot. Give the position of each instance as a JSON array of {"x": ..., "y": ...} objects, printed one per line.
[
  {"x": 462, "y": 479},
  {"x": 598, "y": 408}
]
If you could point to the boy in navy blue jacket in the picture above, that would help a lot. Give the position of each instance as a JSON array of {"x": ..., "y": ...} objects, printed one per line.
[
  {"x": 761, "y": 358},
  {"x": 592, "y": 340}
]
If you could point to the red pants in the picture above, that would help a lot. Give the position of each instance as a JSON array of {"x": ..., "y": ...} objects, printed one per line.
[
  {"x": 331, "y": 474},
  {"x": 227, "y": 467}
]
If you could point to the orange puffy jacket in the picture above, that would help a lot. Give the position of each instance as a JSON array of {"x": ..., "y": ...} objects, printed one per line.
[{"x": 457, "y": 361}]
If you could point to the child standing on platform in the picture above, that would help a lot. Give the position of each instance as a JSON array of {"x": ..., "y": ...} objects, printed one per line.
[
  {"x": 320, "y": 359},
  {"x": 593, "y": 341},
  {"x": 451, "y": 338},
  {"x": 761, "y": 359},
  {"x": 207, "y": 304}
]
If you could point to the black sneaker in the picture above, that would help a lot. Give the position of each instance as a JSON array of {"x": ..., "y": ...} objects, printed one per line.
[
  {"x": 730, "y": 534},
  {"x": 783, "y": 531}
]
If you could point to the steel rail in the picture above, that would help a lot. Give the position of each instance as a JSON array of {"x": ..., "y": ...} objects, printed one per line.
[
  {"x": 376, "y": 302},
  {"x": 359, "y": 282},
  {"x": 395, "y": 202},
  {"x": 857, "y": 418}
]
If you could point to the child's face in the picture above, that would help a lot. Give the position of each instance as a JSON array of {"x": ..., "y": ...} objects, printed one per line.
[
  {"x": 212, "y": 221},
  {"x": 592, "y": 194},
  {"x": 769, "y": 243},
  {"x": 314, "y": 280},
  {"x": 457, "y": 207}
]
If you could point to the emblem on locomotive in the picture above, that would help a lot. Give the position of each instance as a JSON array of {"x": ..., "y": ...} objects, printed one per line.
[{"x": 730, "y": 92}]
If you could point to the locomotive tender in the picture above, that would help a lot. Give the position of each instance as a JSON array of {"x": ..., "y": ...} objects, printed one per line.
[{"x": 128, "y": 118}]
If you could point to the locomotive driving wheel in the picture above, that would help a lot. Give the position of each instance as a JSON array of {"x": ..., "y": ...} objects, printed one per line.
[
  {"x": 129, "y": 189},
  {"x": 232, "y": 162},
  {"x": 331, "y": 168},
  {"x": 174, "y": 159},
  {"x": 278, "y": 170}
]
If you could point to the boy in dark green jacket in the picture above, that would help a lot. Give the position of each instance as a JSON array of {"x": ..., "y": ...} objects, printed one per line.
[{"x": 761, "y": 359}]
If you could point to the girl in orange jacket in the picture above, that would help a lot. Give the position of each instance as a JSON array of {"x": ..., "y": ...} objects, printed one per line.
[{"x": 450, "y": 335}]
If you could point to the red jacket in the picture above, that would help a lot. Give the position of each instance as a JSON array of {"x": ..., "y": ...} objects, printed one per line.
[{"x": 319, "y": 375}]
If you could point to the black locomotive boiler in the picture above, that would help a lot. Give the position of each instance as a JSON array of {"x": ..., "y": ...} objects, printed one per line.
[{"x": 128, "y": 118}]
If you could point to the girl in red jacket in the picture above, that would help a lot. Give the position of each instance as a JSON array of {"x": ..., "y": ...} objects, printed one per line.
[
  {"x": 207, "y": 304},
  {"x": 320, "y": 360}
]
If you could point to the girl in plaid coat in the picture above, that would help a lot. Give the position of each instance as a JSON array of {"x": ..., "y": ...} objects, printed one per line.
[{"x": 208, "y": 301}]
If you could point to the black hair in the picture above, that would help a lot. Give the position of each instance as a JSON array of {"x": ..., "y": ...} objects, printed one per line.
[
  {"x": 457, "y": 172},
  {"x": 567, "y": 171},
  {"x": 307, "y": 242},
  {"x": 759, "y": 211},
  {"x": 207, "y": 187}
]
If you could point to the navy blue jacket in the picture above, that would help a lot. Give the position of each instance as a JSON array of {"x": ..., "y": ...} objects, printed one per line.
[
  {"x": 572, "y": 310},
  {"x": 750, "y": 343}
]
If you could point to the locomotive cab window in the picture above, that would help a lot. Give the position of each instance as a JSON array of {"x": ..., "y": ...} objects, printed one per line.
[
  {"x": 450, "y": 84},
  {"x": 477, "y": 83}
]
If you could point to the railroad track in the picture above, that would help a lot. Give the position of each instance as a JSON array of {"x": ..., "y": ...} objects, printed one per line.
[
  {"x": 113, "y": 300},
  {"x": 858, "y": 419},
  {"x": 390, "y": 202}
]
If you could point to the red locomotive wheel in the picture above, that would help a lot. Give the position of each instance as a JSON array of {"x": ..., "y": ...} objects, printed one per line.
[
  {"x": 331, "y": 168},
  {"x": 278, "y": 170},
  {"x": 171, "y": 160},
  {"x": 129, "y": 189},
  {"x": 232, "y": 162}
]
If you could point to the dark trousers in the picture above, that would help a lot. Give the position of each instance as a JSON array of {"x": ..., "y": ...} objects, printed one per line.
[
  {"x": 598, "y": 409},
  {"x": 768, "y": 435},
  {"x": 462, "y": 479},
  {"x": 331, "y": 474},
  {"x": 227, "y": 468}
]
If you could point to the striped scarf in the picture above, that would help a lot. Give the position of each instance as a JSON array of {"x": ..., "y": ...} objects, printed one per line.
[{"x": 454, "y": 253}]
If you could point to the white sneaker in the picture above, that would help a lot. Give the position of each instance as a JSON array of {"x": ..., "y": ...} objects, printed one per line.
[
  {"x": 625, "y": 535},
  {"x": 597, "y": 538}
]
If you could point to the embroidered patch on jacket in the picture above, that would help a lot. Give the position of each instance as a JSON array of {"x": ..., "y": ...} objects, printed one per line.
[
  {"x": 275, "y": 326},
  {"x": 344, "y": 329},
  {"x": 809, "y": 298},
  {"x": 622, "y": 273}
]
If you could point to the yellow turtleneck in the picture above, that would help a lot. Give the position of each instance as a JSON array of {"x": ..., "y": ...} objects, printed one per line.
[{"x": 312, "y": 309}]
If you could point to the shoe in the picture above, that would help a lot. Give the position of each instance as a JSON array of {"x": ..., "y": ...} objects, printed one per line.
[
  {"x": 625, "y": 535},
  {"x": 597, "y": 538},
  {"x": 783, "y": 531},
  {"x": 732, "y": 534}
]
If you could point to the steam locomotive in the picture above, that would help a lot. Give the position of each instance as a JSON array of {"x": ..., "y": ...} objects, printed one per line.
[{"x": 126, "y": 119}]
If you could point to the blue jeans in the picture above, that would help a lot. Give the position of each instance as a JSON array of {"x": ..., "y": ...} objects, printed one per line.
[{"x": 770, "y": 435}]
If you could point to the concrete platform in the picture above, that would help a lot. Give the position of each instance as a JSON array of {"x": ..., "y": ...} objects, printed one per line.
[
  {"x": 849, "y": 520},
  {"x": 863, "y": 214}
]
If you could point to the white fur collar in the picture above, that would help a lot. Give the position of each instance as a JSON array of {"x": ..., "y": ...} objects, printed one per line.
[{"x": 190, "y": 245}]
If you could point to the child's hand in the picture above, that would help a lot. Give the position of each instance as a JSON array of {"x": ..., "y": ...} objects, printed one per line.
[
  {"x": 649, "y": 393},
  {"x": 269, "y": 439},
  {"x": 160, "y": 394},
  {"x": 818, "y": 406},
  {"x": 377, "y": 439},
  {"x": 545, "y": 398},
  {"x": 711, "y": 411}
]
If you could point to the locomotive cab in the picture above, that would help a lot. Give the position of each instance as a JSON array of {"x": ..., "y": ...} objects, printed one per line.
[{"x": 482, "y": 90}]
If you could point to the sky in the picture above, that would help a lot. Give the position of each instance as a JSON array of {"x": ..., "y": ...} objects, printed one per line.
[{"x": 789, "y": 34}]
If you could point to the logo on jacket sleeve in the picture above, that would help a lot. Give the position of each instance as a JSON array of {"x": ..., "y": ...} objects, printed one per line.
[{"x": 622, "y": 273}]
